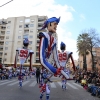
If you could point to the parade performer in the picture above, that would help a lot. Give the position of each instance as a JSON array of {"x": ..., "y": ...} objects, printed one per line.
[
  {"x": 44, "y": 86},
  {"x": 63, "y": 57},
  {"x": 23, "y": 54},
  {"x": 48, "y": 47},
  {"x": 20, "y": 78}
]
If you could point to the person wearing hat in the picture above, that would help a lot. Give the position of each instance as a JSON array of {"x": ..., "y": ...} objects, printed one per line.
[
  {"x": 23, "y": 54},
  {"x": 63, "y": 57},
  {"x": 48, "y": 46}
]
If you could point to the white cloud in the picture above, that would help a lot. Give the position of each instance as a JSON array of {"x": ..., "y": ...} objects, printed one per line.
[
  {"x": 49, "y": 8},
  {"x": 82, "y": 17}
]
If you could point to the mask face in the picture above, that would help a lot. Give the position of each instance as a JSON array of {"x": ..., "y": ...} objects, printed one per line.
[{"x": 52, "y": 27}]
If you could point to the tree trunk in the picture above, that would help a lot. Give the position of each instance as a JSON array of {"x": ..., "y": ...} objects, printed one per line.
[{"x": 84, "y": 62}]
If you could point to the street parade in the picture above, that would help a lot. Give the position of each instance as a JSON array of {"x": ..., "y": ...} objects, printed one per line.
[{"x": 43, "y": 56}]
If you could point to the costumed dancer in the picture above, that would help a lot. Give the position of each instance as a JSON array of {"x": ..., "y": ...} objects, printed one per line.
[
  {"x": 23, "y": 54},
  {"x": 20, "y": 78},
  {"x": 43, "y": 85},
  {"x": 48, "y": 46},
  {"x": 63, "y": 59}
]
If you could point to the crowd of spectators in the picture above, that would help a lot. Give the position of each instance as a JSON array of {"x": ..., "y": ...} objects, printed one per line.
[
  {"x": 6, "y": 73},
  {"x": 90, "y": 80}
]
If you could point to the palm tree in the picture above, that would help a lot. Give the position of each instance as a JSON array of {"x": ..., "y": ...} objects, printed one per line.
[{"x": 82, "y": 47}]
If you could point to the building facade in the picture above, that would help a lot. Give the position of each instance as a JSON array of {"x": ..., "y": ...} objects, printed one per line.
[
  {"x": 12, "y": 32},
  {"x": 96, "y": 55}
]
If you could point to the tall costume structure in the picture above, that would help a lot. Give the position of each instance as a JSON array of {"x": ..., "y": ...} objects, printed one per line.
[
  {"x": 23, "y": 54},
  {"x": 48, "y": 46},
  {"x": 64, "y": 56}
]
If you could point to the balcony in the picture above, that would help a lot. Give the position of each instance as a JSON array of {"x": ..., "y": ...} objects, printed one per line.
[
  {"x": 41, "y": 23},
  {"x": 1, "y": 46},
  {"x": 39, "y": 28},
  {"x": 41, "y": 19},
  {"x": 38, "y": 40},
  {"x": 26, "y": 26},
  {"x": 1, "y": 49},
  {"x": 2, "y": 22},
  {"x": 2, "y": 34},
  {"x": 2, "y": 38},
  {"x": 3, "y": 28}
]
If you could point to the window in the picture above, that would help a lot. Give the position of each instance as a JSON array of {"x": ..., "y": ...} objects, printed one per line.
[
  {"x": 32, "y": 20},
  {"x": 25, "y": 36},
  {"x": 37, "y": 61},
  {"x": 21, "y": 21},
  {"x": 26, "y": 31},
  {"x": 31, "y": 25},
  {"x": 30, "y": 36},
  {"x": 19, "y": 37},
  {"x": 20, "y": 31},
  {"x": 26, "y": 26},
  {"x": 5, "y": 54},
  {"x": 38, "y": 41},
  {"x": 37, "y": 48},
  {"x": 8, "y": 27},
  {"x": 30, "y": 48},
  {"x": 31, "y": 31},
  {"x": 17, "y": 60},
  {"x": 27, "y": 20},
  {"x": 5, "y": 59},
  {"x": 7, "y": 37},
  {"x": 6, "y": 42},
  {"x": 37, "y": 54},
  {"x": 19, "y": 42},
  {"x": 9, "y": 22},
  {"x": 8, "y": 32},
  {"x": 20, "y": 26},
  {"x": 6, "y": 48},
  {"x": 30, "y": 42}
]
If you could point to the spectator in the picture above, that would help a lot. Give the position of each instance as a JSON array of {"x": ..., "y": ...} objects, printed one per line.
[{"x": 38, "y": 75}]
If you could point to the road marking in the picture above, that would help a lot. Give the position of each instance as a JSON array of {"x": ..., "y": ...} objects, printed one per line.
[
  {"x": 78, "y": 85},
  {"x": 72, "y": 86},
  {"x": 33, "y": 84},
  {"x": 3, "y": 81},
  {"x": 13, "y": 83},
  {"x": 53, "y": 85},
  {"x": 7, "y": 82},
  {"x": 61, "y": 84},
  {"x": 24, "y": 83}
]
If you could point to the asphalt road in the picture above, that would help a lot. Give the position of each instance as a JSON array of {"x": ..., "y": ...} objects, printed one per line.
[{"x": 9, "y": 90}]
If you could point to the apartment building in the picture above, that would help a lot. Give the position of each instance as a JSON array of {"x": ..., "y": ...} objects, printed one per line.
[
  {"x": 96, "y": 54},
  {"x": 12, "y": 32}
]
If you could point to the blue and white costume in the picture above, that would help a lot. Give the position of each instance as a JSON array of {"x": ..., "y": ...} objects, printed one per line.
[
  {"x": 47, "y": 47},
  {"x": 23, "y": 54},
  {"x": 63, "y": 59}
]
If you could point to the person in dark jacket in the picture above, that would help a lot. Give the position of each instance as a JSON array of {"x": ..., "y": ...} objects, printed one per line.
[{"x": 38, "y": 75}]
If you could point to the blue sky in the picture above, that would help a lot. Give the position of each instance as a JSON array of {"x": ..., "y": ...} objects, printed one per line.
[
  {"x": 76, "y": 15},
  {"x": 91, "y": 15}
]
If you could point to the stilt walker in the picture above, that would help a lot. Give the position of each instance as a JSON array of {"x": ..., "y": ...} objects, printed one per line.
[
  {"x": 23, "y": 54},
  {"x": 48, "y": 46},
  {"x": 64, "y": 57}
]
